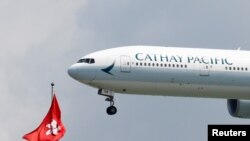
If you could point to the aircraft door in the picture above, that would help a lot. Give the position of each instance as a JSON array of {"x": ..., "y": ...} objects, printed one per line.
[{"x": 125, "y": 64}]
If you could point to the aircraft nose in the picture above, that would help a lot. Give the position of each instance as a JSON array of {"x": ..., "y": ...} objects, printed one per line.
[
  {"x": 73, "y": 71},
  {"x": 82, "y": 73}
]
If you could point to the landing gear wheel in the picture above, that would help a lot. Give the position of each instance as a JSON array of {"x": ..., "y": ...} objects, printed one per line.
[{"x": 111, "y": 110}]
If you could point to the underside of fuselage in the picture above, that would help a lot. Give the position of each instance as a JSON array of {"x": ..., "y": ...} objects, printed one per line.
[{"x": 174, "y": 89}]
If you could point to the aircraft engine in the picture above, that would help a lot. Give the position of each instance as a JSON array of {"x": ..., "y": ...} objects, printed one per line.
[{"x": 239, "y": 108}]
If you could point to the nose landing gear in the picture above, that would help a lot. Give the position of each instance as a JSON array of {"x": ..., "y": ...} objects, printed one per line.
[{"x": 111, "y": 110}]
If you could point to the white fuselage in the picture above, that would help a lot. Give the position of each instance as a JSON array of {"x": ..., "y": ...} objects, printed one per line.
[{"x": 167, "y": 71}]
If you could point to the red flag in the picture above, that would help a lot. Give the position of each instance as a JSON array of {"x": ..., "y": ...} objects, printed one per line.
[{"x": 51, "y": 128}]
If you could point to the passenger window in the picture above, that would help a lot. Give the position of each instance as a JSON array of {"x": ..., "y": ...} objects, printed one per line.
[{"x": 149, "y": 64}]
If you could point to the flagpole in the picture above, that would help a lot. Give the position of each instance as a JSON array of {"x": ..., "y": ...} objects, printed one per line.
[{"x": 52, "y": 90}]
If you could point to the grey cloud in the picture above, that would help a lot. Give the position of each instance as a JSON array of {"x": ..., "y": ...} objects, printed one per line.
[
  {"x": 33, "y": 34},
  {"x": 187, "y": 23}
]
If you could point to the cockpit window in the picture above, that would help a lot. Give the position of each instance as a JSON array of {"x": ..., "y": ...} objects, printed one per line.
[
  {"x": 92, "y": 61},
  {"x": 87, "y": 60}
]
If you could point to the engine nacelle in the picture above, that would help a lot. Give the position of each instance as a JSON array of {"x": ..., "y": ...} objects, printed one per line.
[{"x": 239, "y": 108}]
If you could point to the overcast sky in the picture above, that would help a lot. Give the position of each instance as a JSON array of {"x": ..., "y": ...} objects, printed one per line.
[{"x": 39, "y": 40}]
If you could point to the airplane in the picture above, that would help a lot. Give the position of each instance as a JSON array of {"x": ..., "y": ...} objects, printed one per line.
[{"x": 169, "y": 71}]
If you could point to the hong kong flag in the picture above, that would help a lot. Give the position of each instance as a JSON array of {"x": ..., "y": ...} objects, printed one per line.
[{"x": 51, "y": 128}]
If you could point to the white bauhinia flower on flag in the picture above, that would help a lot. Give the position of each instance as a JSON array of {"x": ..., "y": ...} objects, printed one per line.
[{"x": 51, "y": 128}]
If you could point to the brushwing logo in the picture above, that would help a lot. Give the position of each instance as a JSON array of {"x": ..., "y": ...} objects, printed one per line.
[{"x": 109, "y": 68}]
